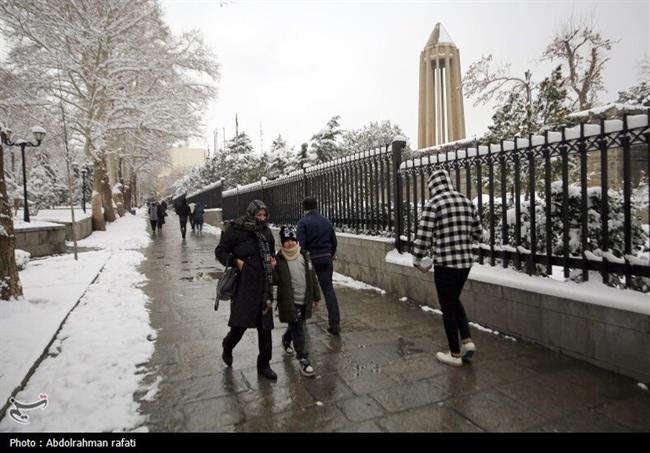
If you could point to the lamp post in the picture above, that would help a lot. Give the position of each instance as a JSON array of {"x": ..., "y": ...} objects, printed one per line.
[{"x": 39, "y": 135}]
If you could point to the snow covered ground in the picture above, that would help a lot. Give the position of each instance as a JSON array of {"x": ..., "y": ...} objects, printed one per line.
[{"x": 89, "y": 375}]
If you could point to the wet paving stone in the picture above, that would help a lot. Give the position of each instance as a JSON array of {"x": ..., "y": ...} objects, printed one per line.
[
  {"x": 360, "y": 409},
  {"x": 379, "y": 375},
  {"x": 431, "y": 418},
  {"x": 493, "y": 411},
  {"x": 407, "y": 396}
]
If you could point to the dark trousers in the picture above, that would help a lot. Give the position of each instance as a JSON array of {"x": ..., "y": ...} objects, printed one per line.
[
  {"x": 263, "y": 342},
  {"x": 296, "y": 333},
  {"x": 183, "y": 222},
  {"x": 324, "y": 269},
  {"x": 192, "y": 221},
  {"x": 153, "y": 225},
  {"x": 449, "y": 285}
]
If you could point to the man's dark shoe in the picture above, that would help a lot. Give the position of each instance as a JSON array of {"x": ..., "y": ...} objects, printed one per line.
[
  {"x": 334, "y": 330},
  {"x": 268, "y": 373},
  {"x": 226, "y": 355}
]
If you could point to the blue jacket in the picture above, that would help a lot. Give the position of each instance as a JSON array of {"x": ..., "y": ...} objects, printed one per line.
[{"x": 316, "y": 235}]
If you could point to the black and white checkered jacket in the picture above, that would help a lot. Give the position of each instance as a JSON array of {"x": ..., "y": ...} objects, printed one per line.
[{"x": 449, "y": 225}]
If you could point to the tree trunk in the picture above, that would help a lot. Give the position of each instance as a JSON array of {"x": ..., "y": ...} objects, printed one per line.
[
  {"x": 134, "y": 189},
  {"x": 99, "y": 224},
  {"x": 104, "y": 188},
  {"x": 119, "y": 202},
  {"x": 127, "y": 197},
  {"x": 10, "y": 286}
]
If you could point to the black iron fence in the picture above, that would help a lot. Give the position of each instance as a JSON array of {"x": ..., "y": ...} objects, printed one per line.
[
  {"x": 551, "y": 201},
  {"x": 355, "y": 192},
  {"x": 567, "y": 198},
  {"x": 210, "y": 196}
]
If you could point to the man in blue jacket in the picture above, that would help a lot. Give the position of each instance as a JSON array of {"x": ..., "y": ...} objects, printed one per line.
[{"x": 316, "y": 235}]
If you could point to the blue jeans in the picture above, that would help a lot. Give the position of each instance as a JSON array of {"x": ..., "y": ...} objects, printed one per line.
[{"x": 324, "y": 269}]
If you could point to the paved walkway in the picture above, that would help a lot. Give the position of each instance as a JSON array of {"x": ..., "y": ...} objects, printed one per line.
[{"x": 380, "y": 375}]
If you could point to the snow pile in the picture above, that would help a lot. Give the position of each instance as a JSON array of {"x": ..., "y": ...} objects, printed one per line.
[
  {"x": 22, "y": 258},
  {"x": 62, "y": 215},
  {"x": 211, "y": 229},
  {"x": 343, "y": 280},
  {"x": 127, "y": 233}
]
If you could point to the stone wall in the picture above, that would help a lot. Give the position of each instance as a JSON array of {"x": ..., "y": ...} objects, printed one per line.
[
  {"x": 607, "y": 337},
  {"x": 83, "y": 228},
  {"x": 213, "y": 217},
  {"x": 41, "y": 241}
]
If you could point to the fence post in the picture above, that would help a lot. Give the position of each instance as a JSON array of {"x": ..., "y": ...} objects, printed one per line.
[
  {"x": 399, "y": 143},
  {"x": 305, "y": 192}
]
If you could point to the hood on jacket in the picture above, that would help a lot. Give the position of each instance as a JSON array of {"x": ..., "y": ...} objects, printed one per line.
[{"x": 439, "y": 182}]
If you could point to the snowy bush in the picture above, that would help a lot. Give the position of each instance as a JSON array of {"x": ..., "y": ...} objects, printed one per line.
[{"x": 615, "y": 226}]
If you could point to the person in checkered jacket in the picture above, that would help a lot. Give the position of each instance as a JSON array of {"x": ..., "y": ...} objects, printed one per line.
[{"x": 448, "y": 228}]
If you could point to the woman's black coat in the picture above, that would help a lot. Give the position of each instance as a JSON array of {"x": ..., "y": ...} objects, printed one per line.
[{"x": 246, "y": 307}]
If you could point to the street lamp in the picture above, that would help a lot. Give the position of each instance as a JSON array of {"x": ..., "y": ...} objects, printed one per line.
[{"x": 39, "y": 135}]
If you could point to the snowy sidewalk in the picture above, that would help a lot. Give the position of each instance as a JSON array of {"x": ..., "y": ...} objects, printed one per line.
[{"x": 93, "y": 367}]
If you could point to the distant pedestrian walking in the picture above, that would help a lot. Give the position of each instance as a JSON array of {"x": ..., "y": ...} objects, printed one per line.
[
  {"x": 316, "y": 235},
  {"x": 161, "y": 213},
  {"x": 448, "y": 227},
  {"x": 198, "y": 216},
  {"x": 153, "y": 215},
  {"x": 248, "y": 244},
  {"x": 297, "y": 293},
  {"x": 183, "y": 212}
]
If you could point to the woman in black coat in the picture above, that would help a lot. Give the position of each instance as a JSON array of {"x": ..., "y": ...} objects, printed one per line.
[{"x": 249, "y": 245}]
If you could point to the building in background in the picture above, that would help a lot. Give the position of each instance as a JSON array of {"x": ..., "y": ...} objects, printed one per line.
[{"x": 181, "y": 161}]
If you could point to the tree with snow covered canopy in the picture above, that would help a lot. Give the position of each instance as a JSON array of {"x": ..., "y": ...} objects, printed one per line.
[
  {"x": 282, "y": 159},
  {"x": 638, "y": 94},
  {"x": 373, "y": 135},
  {"x": 583, "y": 50},
  {"x": 45, "y": 189},
  {"x": 324, "y": 143},
  {"x": 118, "y": 68},
  {"x": 240, "y": 165}
]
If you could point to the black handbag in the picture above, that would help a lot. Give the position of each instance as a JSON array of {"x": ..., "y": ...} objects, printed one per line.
[{"x": 227, "y": 285}]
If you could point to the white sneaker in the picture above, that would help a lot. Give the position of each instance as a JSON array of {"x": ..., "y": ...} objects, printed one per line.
[
  {"x": 306, "y": 368},
  {"x": 448, "y": 359},
  {"x": 467, "y": 350}
]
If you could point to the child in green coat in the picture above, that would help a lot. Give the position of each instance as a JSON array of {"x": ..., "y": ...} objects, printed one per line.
[{"x": 298, "y": 293}]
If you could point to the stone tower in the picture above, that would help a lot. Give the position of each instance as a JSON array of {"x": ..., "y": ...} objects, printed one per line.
[{"x": 441, "y": 112}]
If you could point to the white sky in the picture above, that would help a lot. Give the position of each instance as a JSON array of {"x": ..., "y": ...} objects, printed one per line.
[{"x": 292, "y": 65}]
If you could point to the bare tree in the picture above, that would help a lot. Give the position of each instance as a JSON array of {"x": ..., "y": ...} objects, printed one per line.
[
  {"x": 584, "y": 52},
  {"x": 124, "y": 76},
  {"x": 486, "y": 84}
]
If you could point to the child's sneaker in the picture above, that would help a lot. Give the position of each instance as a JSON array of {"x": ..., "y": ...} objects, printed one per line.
[
  {"x": 448, "y": 359},
  {"x": 288, "y": 350},
  {"x": 305, "y": 368},
  {"x": 467, "y": 350}
]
